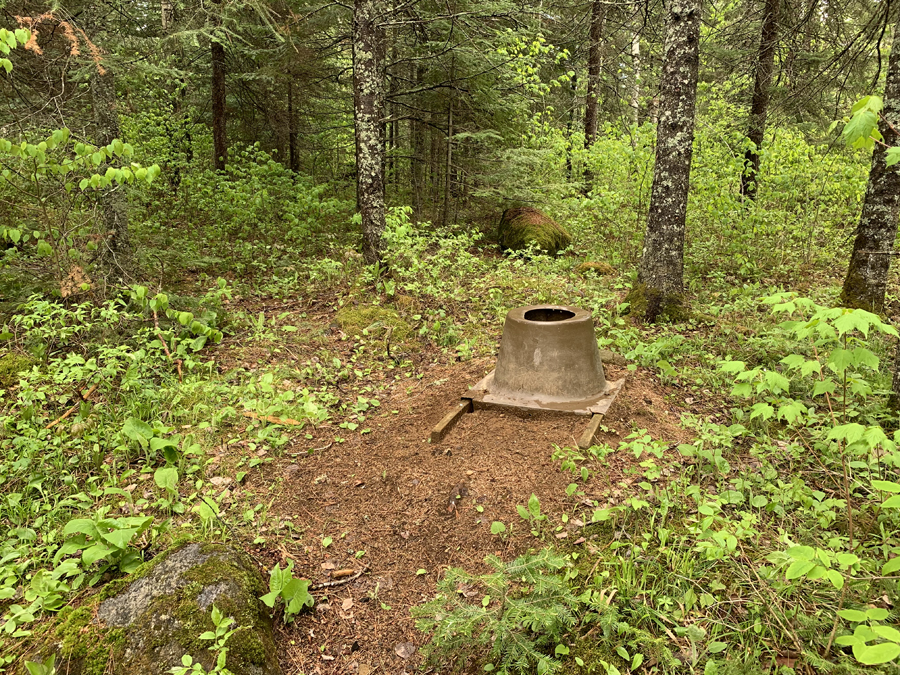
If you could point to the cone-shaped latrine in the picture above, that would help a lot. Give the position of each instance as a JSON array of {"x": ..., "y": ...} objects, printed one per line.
[
  {"x": 549, "y": 353},
  {"x": 548, "y": 360}
]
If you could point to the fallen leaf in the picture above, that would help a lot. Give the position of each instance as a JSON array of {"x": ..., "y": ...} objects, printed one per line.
[
  {"x": 365, "y": 669},
  {"x": 219, "y": 481},
  {"x": 405, "y": 649},
  {"x": 347, "y": 604},
  {"x": 325, "y": 657},
  {"x": 561, "y": 535},
  {"x": 320, "y": 479},
  {"x": 328, "y": 565}
]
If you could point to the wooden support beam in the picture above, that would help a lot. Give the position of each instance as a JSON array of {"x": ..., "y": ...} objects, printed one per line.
[
  {"x": 450, "y": 419},
  {"x": 587, "y": 438}
]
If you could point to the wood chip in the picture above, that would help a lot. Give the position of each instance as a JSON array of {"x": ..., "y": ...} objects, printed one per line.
[
  {"x": 340, "y": 574},
  {"x": 405, "y": 649}
]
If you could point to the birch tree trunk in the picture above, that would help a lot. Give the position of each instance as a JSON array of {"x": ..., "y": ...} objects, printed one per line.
[
  {"x": 368, "y": 116},
  {"x": 870, "y": 261},
  {"x": 595, "y": 67},
  {"x": 115, "y": 251},
  {"x": 220, "y": 141},
  {"x": 658, "y": 293},
  {"x": 759, "y": 106},
  {"x": 636, "y": 76}
]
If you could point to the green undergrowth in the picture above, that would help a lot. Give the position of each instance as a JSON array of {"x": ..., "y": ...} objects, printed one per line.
[{"x": 766, "y": 544}]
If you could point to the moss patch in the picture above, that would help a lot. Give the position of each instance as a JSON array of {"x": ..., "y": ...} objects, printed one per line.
[
  {"x": 524, "y": 226},
  {"x": 11, "y": 364},
  {"x": 655, "y": 306},
  {"x": 592, "y": 267},
  {"x": 374, "y": 320}
]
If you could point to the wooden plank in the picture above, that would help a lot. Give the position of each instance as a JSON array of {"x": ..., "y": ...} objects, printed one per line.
[
  {"x": 587, "y": 438},
  {"x": 450, "y": 419}
]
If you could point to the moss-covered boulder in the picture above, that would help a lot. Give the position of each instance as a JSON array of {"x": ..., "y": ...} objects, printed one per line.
[
  {"x": 374, "y": 320},
  {"x": 524, "y": 226},
  {"x": 149, "y": 624},
  {"x": 11, "y": 364}
]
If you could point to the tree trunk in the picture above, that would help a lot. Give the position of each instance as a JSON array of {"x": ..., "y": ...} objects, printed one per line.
[
  {"x": 418, "y": 156},
  {"x": 870, "y": 261},
  {"x": 658, "y": 294},
  {"x": 595, "y": 67},
  {"x": 368, "y": 116},
  {"x": 293, "y": 155},
  {"x": 220, "y": 141},
  {"x": 448, "y": 163},
  {"x": 166, "y": 10},
  {"x": 636, "y": 76},
  {"x": 115, "y": 250},
  {"x": 759, "y": 107}
]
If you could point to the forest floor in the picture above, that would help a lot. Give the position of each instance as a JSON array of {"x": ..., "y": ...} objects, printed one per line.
[{"x": 398, "y": 511}]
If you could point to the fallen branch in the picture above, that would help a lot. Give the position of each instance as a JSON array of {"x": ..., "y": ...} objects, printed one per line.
[
  {"x": 339, "y": 582},
  {"x": 84, "y": 396},
  {"x": 271, "y": 418}
]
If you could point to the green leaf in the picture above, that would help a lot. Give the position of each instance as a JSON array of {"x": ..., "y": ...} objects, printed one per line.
[
  {"x": 802, "y": 552},
  {"x": 826, "y": 386},
  {"x": 858, "y": 131},
  {"x": 137, "y": 430},
  {"x": 96, "y": 552},
  {"x": 850, "y": 433},
  {"x": 836, "y": 578},
  {"x": 561, "y": 650},
  {"x": 892, "y": 156},
  {"x": 886, "y": 486},
  {"x": 877, "y": 614},
  {"x": 853, "y": 615},
  {"x": 891, "y": 502},
  {"x": 888, "y": 633},
  {"x": 732, "y": 366},
  {"x": 717, "y": 647},
  {"x": 120, "y": 538},
  {"x": 166, "y": 477},
  {"x": 799, "y": 568},
  {"x": 763, "y": 410},
  {"x": 499, "y": 528},
  {"x": 872, "y": 655},
  {"x": 891, "y": 566},
  {"x": 81, "y": 525}
]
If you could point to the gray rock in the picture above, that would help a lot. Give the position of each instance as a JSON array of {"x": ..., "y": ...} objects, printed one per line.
[
  {"x": 163, "y": 613},
  {"x": 612, "y": 358}
]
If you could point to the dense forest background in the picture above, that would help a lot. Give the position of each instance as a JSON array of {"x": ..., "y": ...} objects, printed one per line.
[{"x": 245, "y": 240}]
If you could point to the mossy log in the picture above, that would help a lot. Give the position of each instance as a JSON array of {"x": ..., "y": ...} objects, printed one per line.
[{"x": 524, "y": 226}]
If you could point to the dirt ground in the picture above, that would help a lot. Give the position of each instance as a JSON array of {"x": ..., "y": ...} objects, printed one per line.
[{"x": 416, "y": 509}]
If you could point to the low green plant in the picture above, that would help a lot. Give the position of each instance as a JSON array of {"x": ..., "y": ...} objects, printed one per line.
[
  {"x": 219, "y": 636},
  {"x": 294, "y": 593},
  {"x": 532, "y": 515}
]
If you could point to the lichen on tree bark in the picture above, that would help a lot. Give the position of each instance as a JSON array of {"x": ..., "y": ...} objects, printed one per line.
[
  {"x": 866, "y": 280},
  {"x": 368, "y": 109},
  {"x": 661, "y": 270}
]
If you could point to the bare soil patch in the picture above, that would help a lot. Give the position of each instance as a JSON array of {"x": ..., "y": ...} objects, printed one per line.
[{"x": 416, "y": 509}]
